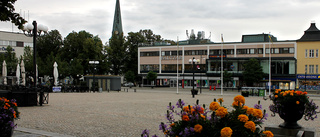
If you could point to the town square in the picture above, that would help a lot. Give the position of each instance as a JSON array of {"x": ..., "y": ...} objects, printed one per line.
[{"x": 159, "y": 68}]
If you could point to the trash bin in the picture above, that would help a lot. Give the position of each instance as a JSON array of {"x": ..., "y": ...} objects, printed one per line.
[{"x": 261, "y": 92}]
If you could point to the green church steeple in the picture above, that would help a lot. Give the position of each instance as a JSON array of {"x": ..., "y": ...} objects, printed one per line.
[{"x": 117, "y": 23}]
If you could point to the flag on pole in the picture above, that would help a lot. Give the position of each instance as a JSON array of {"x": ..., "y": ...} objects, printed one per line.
[
  {"x": 270, "y": 39},
  {"x": 222, "y": 38}
]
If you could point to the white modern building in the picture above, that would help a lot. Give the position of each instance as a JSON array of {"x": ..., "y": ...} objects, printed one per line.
[
  {"x": 16, "y": 40},
  {"x": 164, "y": 60}
]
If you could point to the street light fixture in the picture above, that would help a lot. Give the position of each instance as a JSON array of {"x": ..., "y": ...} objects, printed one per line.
[
  {"x": 34, "y": 30},
  {"x": 94, "y": 63},
  {"x": 193, "y": 61}
]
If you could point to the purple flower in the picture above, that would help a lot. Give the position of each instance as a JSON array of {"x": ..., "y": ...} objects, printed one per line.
[
  {"x": 258, "y": 106},
  {"x": 163, "y": 127},
  {"x": 170, "y": 107},
  {"x": 180, "y": 103},
  {"x": 145, "y": 133}
]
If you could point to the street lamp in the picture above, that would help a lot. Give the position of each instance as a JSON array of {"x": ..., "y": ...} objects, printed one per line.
[
  {"x": 34, "y": 30},
  {"x": 193, "y": 61},
  {"x": 94, "y": 63}
]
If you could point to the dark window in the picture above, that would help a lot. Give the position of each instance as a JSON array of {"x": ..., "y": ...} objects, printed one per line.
[{"x": 19, "y": 44}]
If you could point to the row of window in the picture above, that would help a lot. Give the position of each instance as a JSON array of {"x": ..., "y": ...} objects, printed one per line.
[
  {"x": 312, "y": 53},
  {"x": 172, "y": 67},
  {"x": 14, "y": 43},
  {"x": 313, "y": 69},
  {"x": 226, "y": 51}
]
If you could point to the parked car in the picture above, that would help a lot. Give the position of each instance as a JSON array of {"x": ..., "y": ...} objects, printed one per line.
[{"x": 129, "y": 84}]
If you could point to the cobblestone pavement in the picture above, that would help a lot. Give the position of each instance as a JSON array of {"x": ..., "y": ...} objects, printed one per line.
[{"x": 121, "y": 114}]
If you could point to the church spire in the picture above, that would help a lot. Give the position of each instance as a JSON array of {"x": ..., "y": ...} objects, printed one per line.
[{"x": 117, "y": 23}]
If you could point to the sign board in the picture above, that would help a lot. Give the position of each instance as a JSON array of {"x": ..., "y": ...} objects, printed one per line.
[
  {"x": 216, "y": 56},
  {"x": 302, "y": 76},
  {"x": 56, "y": 89}
]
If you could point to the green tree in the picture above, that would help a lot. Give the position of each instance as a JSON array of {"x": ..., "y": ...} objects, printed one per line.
[
  {"x": 28, "y": 59},
  {"x": 11, "y": 60},
  {"x": 129, "y": 76},
  {"x": 131, "y": 60},
  {"x": 149, "y": 37},
  {"x": 253, "y": 72},
  {"x": 7, "y": 13},
  {"x": 151, "y": 76},
  {"x": 116, "y": 54},
  {"x": 227, "y": 77},
  {"x": 78, "y": 49},
  {"x": 47, "y": 50}
]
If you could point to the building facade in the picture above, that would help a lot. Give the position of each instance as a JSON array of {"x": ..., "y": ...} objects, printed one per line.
[
  {"x": 167, "y": 61},
  {"x": 16, "y": 40},
  {"x": 308, "y": 60}
]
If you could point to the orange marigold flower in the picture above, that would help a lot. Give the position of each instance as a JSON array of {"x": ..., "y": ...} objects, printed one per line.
[
  {"x": 245, "y": 107},
  {"x": 226, "y": 132},
  {"x": 257, "y": 113},
  {"x": 236, "y": 103},
  {"x": 214, "y": 106},
  {"x": 197, "y": 128},
  {"x": 172, "y": 124},
  {"x": 220, "y": 100},
  {"x": 239, "y": 98},
  {"x": 203, "y": 116},
  {"x": 305, "y": 93},
  {"x": 243, "y": 118},
  {"x": 15, "y": 104},
  {"x": 276, "y": 91},
  {"x": 267, "y": 133},
  {"x": 201, "y": 111},
  {"x": 291, "y": 94},
  {"x": 276, "y": 96},
  {"x": 250, "y": 111},
  {"x": 221, "y": 111},
  {"x": 187, "y": 109},
  {"x": 185, "y": 118},
  {"x": 5, "y": 107},
  {"x": 250, "y": 125},
  {"x": 297, "y": 102}
]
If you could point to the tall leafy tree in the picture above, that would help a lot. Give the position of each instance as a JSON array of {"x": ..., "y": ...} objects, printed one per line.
[
  {"x": 47, "y": 49},
  {"x": 253, "y": 72},
  {"x": 7, "y": 13},
  {"x": 131, "y": 61},
  {"x": 78, "y": 49},
  {"x": 116, "y": 54}
]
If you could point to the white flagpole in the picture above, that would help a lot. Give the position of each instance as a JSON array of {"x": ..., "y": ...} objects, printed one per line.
[
  {"x": 178, "y": 65},
  {"x": 269, "y": 64},
  {"x": 221, "y": 55}
]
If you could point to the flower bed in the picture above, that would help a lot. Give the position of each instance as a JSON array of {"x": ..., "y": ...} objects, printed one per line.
[
  {"x": 8, "y": 112},
  {"x": 296, "y": 103},
  {"x": 214, "y": 121}
]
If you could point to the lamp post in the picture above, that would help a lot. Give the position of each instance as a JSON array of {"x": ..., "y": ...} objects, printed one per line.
[
  {"x": 33, "y": 30},
  {"x": 193, "y": 61},
  {"x": 94, "y": 63}
]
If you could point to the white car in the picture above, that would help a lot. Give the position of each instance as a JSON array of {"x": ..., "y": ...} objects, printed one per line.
[{"x": 130, "y": 84}]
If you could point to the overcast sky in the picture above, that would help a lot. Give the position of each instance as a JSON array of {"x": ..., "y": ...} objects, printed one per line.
[{"x": 285, "y": 19}]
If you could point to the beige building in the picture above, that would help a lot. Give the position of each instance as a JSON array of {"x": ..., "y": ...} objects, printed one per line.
[{"x": 308, "y": 60}]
